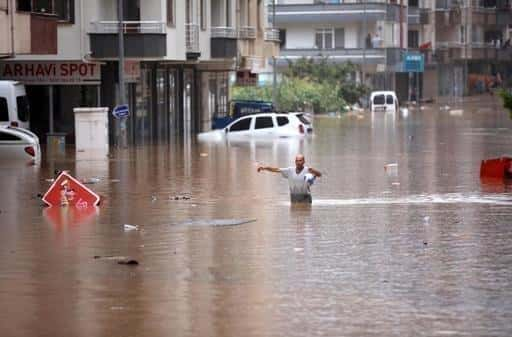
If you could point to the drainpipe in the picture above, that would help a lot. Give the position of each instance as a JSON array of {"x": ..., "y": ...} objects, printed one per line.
[
  {"x": 11, "y": 16},
  {"x": 274, "y": 73}
]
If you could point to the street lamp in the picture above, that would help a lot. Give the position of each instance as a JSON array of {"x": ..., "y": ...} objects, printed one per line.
[{"x": 122, "y": 97}]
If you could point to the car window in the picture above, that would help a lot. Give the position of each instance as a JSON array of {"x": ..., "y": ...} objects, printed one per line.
[
  {"x": 241, "y": 125},
  {"x": 23, "y": 108},
  {"x": 389, "y": 99},
  {"x": 4, "y": 136},
  {"x": 282, "y": 120},
  {"x": 378, "y": 100},
  {"x": 303, "y": 119},
  {"x": 4, "y": 111},
  {"x": 264, "y": 122}
]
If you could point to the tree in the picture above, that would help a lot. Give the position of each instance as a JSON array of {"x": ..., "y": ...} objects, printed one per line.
[
  {"x": 507, "y": 100},
  {"x": 323, "y": 85}
]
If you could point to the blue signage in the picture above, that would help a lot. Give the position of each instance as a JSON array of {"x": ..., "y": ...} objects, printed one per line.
[
  {"x": 121, "y": 111},
  {"x": 414, "y": 63}
]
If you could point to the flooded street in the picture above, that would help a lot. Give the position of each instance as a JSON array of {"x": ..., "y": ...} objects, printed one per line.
[{"x": 423, "y": 252}]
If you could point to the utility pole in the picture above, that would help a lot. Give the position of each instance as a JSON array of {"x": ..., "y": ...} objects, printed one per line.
[
  {"x": 274, "y": 74},
  {"x": 123, "y": 139},
  {"x": 466, "y": 40},
  {"x": 365, "y": 29}
]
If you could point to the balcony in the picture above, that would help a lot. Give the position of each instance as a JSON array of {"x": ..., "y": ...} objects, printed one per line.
[
  {"x": 418, "y": 16},
  {"x": 141, "y": 39},
  {"x": 272, "y": 35},
  {"x": 192, "y": 41},
  {"x": 346, "y": 12},
  {"x": 389, "y": 56},
  {"x": 223, "y": 42},
  {"x": 247, "y": 33}
]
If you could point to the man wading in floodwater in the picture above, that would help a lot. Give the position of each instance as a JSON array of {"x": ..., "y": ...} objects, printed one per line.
[{"x": 300, "y": 178}]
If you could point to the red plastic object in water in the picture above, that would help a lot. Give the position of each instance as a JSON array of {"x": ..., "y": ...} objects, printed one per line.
[{"x": 498, "y": 168}]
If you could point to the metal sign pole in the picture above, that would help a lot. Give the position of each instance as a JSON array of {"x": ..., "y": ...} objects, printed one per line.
[{"x": 122, "y": 97}]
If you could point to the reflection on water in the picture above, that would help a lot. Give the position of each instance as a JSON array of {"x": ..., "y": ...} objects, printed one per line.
[{"x": 423, "y": 252}]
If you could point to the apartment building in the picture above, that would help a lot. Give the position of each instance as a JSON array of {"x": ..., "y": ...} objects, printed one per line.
[
  {"x": 472, "y": 45},
  {"x": 464, "y": 42},
  {"x": 371, "y": 34},
  {"x": 178, "y": 57}
]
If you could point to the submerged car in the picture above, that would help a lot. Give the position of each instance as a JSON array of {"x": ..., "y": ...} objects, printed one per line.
[
  {"x": 383, "y": 101},
  {"x": 264, "y": 125},
  {"x": 19, "y": 144}
]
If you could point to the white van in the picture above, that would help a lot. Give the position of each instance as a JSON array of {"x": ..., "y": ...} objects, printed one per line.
[
  {"x": 14, "y": 107},
  {"x": 385, "y": 101}
]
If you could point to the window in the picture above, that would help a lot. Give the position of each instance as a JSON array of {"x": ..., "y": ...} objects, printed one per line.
[
  {"x": 413, "y": 39},
  {"x": 63, "y": 9},
  {"x": 203, "y": 13},
  {"x": 4, "y": 110},
  {"x": 282, "y": 120},
  {"x": 241, "y": 125},
  {"x": 413, "y": 3},
  {"x": 4, "y": 5},
  {"x": 23, "y": 108},
  {"x": 378, "y": 100},
  {"x": 462, "y": 34},
  {"x": 170, "y": 12},
  {"x": 282, "y": 38},
  {"x": 324, "y": 38},
  {"x": 389, "y": 99},
  {"x": 339, "y": 38},
  {"x": 8, "y": 137},
  {"x": 303, "y": 119},
  {"x": 264, "y": 123}
]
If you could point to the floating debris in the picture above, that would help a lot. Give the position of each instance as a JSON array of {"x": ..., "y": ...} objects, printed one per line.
[
  {"x": 203, "y": 154},
  {"x": 128, "y": 227},
  {"x": 90, "y": 180}
]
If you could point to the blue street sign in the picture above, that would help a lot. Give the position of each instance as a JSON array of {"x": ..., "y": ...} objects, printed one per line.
[
  {"x": 121, "y": 111},
  {"x": 414, "y": 63}
]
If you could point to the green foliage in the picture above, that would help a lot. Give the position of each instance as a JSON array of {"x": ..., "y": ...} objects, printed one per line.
[
  {"x": 321, "y": 85},
  {"x": 507, "y": 100}
]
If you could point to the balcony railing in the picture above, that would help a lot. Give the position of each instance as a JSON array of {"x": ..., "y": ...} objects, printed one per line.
[
  {"x": 192, "y": 37},
  {"x": 223, "y": 32},
  {"x": 247, "y": 33},
  {"x": 142, "y": 27},
  {"x": 272, "y": 34}
]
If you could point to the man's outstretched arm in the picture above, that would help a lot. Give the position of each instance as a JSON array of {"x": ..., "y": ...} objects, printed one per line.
[
  {"x": 315, "y": 172},
  {"x": 269, "y": 168}
]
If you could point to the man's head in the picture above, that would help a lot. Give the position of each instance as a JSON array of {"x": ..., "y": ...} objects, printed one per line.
[{"x": 299, "y": 161}]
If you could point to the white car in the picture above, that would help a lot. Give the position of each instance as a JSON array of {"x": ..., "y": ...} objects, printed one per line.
[
  {"x": 385, "y": 101},
  {"x": 270, "y": 124},
  {"x": 19, "y": 144}
]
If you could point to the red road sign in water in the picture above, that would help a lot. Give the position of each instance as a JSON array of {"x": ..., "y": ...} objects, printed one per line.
[{"x": 67, "y": 191}]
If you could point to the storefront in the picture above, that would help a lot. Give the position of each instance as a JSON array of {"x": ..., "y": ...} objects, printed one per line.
[{"x": 54, "y": 88}]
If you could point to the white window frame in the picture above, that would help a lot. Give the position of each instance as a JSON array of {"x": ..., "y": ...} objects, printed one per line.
[{"x": 324, "y": 32}]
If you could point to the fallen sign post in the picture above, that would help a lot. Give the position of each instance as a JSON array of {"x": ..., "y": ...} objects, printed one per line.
[{"x": 67, "y": 191}]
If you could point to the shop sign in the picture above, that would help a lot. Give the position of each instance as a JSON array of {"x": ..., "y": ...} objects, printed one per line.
[
  {"x": 131, "y": 71},
  {"x": 51, "y": 72}
]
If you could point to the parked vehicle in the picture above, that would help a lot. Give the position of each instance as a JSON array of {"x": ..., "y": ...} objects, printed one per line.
[
  {"x": 19, "y": 144},
  {"x": 384, "y": 101},
  {"x": 270, "y": 124},
  {"x": 240, "y": 108},
  {"x": 14, "y": 106},
  {"x": 263, "y": 126}
]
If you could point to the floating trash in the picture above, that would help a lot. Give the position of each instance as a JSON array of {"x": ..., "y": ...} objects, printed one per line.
[
  {"x": 391, "y": 169},
  {"x": 203, "y": 154},
  {"x": 456, "y": 112},
  {"x": 128, "y": 227}
]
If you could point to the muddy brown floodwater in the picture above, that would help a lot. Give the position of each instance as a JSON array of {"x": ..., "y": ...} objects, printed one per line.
[{"x": 425, "y": 252}]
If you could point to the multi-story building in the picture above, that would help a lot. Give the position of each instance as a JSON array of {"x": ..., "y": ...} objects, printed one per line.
[
  {"x": 472, "y": 44},
  {"x": 178, "y": 57},
  {"x": 371, "y": 34},
  {"x": 461, "y": 40}
]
